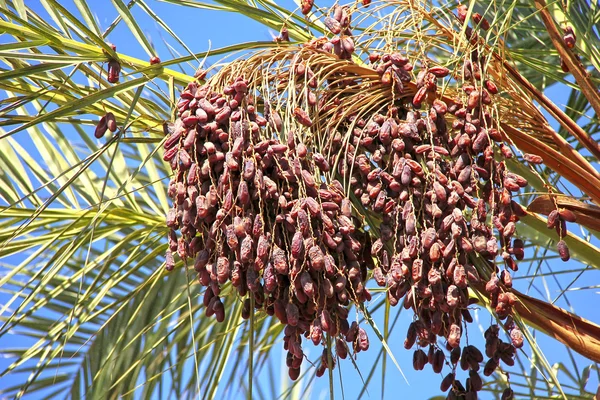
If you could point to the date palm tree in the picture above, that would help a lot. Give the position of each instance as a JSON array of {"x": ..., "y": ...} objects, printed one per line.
[{"x": 90, "y": 306}]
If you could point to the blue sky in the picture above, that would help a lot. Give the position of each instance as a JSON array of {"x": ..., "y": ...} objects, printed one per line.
[{"x": 204, "y": 29}]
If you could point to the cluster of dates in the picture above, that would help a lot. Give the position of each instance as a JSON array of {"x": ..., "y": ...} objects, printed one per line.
[
  {"x": 251, "y": 210},
  {"x": 472, "y": 74},
  {"x": 342, "y": 45},
  {"x": 441, "y": 195}
]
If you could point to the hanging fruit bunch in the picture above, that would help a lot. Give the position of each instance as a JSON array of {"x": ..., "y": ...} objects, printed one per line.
[
  {"x": 251, "y": 210},
  {"x": 441, "y": 196},
  {"x": 279, "y": 159}
]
